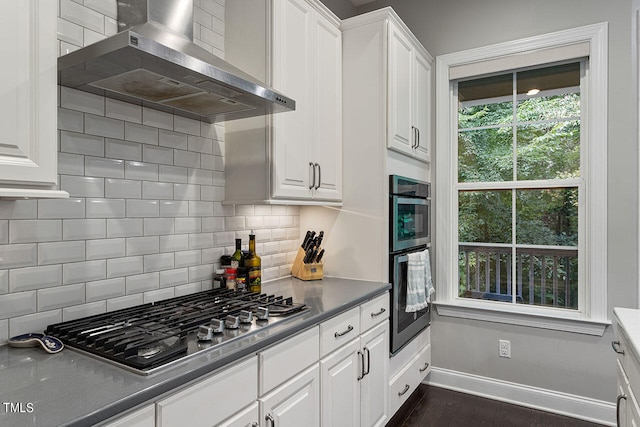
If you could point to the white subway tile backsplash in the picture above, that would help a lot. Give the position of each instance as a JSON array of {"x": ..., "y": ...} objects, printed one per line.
[
  {"x": 215, "y": 8},
  {"x": 124, "y": 302},
  {"x": 171, "y": 208},
  {"x": 4, "y": 331},
  {"x": 171, "y": 139},
  {"x": 158, "y": 119},
  {"x": 85, "y": 271},
  {"x": 33, "y": 322},
  {"x": 105, "y": 248},
  {"x": 81, "y": 101},
  {"x": 122, "y": 188},
  {"x": 29, "y": 231},
  {"x": 140, "y": 133},
  {"x": 200, "y": 272},
  {"x": 175, "y": 277},
  {"x": 234, "y": 223},
  {"x": 15, "y": 256},
  {"x": 161, "y": 155},
  {"x": 200, "y": 144},
  {"x": 157, "y": 190},
  {"x": 212, "y": 38},
  {"x": 175, "y": 174},
  {"x": 270, "y": 248},
  {"x": 4, "y": 281},
  {"x": 81, "y": 15},
  {"x": 200, "y": 177},
  {"x": 105, "y": 289},
  {"x": 84, "y": 310},
  {"x": 30, "y": 278},
  {"x": 188, "y": 225},
  {"x": 126, "y": 111},
  {"x": 271, "y": 221},
  {"x": 66, "y": 48},
  {"x": 4, "y": 232},
  {"x": 254, "y": 221},
  {"x": 186, "y": 125},
  {"x": 174, "y": 243},
  {"x": 107, "y": 168},
  {"x": 158, "y": 295},
  {"x": 110, "y": 26},
  {"x": 70, "y": 164},
  {"x": 224, "y": 238},
  {"x": 186, "y": 192},
  {"x": 187, "y": 258},
  {"x": 187, "y": 289},
  {"x": 70, "y": 120},
  {"x": 17, "y": 304},
  {"x": 200, "y": 208},
  {"x": 19, "y": 209},
  {"x": 82, "y": 186},
  {"x": 126, "y": 266},
  {"x": 202, "y": 17},
  {"x": 70, "y": 32},
  {"x": 158, "y": 262},
  {"x": 83, "y": 229},
  {"x": 124, "y": 150},
  {"x": 60, "y": 297},
  {"x": 79, "y": 143},
  {"x": 108, "y": 8},
  {"x": 200, "y": 240},
  {"x": 103, "y": 126},
  {"x": 126, "y": 227},
  {"x": 61, "y": 252},
  {"x": 142, "y": 283},
  {"x": 141, "y": 171},
  {"x": 186, "y": 159},
  {"x": 91, "y": 37},
  {"x": 212, "y": 224},
  {"x": 61, "y": 208},
  {"x": 142, "y": 208},
  {"x": 143, "y": 245},
  {"x": 158, "y": 226},
  {"x": 212, "y": 255},
  {"x": 105, "y": 208}
]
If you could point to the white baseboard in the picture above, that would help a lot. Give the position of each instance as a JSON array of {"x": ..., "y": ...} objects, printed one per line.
[{"x": 571, "y": 405}]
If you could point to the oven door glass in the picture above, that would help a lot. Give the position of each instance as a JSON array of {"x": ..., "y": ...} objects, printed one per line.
[
  {"x": 410, "y": 223},
  {"x": 404, "y": 325}
]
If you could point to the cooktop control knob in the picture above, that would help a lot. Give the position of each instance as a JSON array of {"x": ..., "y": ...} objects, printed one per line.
[
  {"x": 205, "y": 333},
  {"x": 245, "y": 316},
  {"x": 217, "y": 326},
  {"x": 262, "y": 313},
  {"x": 232, "y": 322}
]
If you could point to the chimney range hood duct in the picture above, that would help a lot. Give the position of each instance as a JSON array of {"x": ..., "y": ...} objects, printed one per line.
[{"x": 153, "y": 62}]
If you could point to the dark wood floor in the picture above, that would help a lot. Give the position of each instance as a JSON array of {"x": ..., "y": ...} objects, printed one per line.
[{"x": 438, "y": 407}]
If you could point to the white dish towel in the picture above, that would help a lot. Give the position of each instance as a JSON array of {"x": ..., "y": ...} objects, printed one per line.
[{"x": 419, "y": 284}]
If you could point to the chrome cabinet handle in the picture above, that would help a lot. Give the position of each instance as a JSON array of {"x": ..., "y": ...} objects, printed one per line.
[
  {"x": 406, "y": 389},
  {"x": 615, "y": 345},
  {"x": 368, "y": 362},
  {"x": 255, "y": 424},
  {"x": 418, "y": 144},
  {"x": 361, "y": 374},
  {"x": 269, "y": 419},
  {"x": 426, "y": 365},
  {"x": 339, "y": 334},
  {"x": 312, "y": 182},
  {"x": 415, "y": 136},
  {"x": 319, "y": 175},
  {"x": 382, "y": 310},
  {"x": 620, "y": 398}
]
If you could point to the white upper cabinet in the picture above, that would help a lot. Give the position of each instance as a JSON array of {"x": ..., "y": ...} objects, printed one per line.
[
  {"x": 409, "y": 92},
  {"x": 28, "y": 105},
  {"x": 295, "y": 46}
]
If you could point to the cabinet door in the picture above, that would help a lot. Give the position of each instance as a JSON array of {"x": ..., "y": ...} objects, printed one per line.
[
  {"x": 292, "y": 75},
  {"x": 28, "y": 107},
  {"x": 340, "y": 400},
  {"x": 374, "y": 392},
  {"x": 421, "y": 111},
  {"x": 401, "y": 134},
  {"x": 296, "y": 403},
  {"x": 248, "y": 417},
  {"x": 144, "y": 417}
]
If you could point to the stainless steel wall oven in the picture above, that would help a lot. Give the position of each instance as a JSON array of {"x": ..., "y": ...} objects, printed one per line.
[{"x": 409, "y": 231}]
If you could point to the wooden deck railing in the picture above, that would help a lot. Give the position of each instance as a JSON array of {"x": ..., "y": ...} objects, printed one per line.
[{"x": 544, "y": 276}]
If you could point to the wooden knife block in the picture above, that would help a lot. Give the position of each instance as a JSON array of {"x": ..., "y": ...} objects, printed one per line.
[{"x": 311, "y": 271}]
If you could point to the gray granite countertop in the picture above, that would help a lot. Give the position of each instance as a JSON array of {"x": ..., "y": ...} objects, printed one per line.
[{"x": 71, "y": 389}]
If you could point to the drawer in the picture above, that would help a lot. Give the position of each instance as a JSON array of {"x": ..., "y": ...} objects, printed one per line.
[
  {"x": 374, "y": 312},
  {"x": 284, "y": 360},
  {"x": 213, "y": 399},
  {"x": 339, "y": 330},
  {"x": 407, "y": 380}
]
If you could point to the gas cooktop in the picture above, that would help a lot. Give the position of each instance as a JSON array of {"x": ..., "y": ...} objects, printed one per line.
[{"x": 148, "y": 337}]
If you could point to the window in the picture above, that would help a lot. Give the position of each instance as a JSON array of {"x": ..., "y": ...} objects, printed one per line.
[{"x": 521, "y": 176}]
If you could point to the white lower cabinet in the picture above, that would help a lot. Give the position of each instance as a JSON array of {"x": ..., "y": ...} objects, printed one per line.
[
  {"x": 295, "y": 403},
  {"x": 340, "y": 389},
  {"x": 628, "y": 370},
  {"x": 373, "y": 396},
  {"x": 209, "y": 401},
  {"x": 247, "y": 417},
  {"x": 145, "y": 417}
]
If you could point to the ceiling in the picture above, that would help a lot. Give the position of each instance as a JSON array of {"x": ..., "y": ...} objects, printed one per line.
[{"x": 361, "y": 2}]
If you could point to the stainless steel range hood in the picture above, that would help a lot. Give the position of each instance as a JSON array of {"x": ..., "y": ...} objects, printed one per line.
[{"x": 153, "y": 62}]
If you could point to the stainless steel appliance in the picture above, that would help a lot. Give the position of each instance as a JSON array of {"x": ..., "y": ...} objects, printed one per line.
[
  {"x": 409, "y": 228},
  {"x": 149, "y": 337},
  {"x": 153, "y": 61}
]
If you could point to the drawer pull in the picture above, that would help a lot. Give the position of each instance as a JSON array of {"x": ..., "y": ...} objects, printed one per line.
[
  {"x": 361, "y": 374},
  {"x": 255, "y": 424},
  {"x": 426, "y": 365},
  {"x": 269, "y": 419},
  {"x": 382, "y": 310},
  {"x": 620, "y": 397},
  {"x": 339, "y": 334},
  {"x": 405, "y": 390},
  {"x": 615, "y": 345}
]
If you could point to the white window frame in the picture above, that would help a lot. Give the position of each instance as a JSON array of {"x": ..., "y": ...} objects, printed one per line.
[{"x": 591, "y": 318}]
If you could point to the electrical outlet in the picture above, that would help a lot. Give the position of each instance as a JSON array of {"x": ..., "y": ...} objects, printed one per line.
[{"x": 504, "y": 348}]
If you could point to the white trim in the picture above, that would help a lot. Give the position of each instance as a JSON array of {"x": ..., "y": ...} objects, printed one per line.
[
  {"x": 594, "y": 163},
  {"x": 581, "y": 407}
]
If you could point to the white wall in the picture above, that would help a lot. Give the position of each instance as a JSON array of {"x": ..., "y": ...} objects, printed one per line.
[
  {"x": 560, "y": 361},
  {"x": 144, "y": 220}
]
